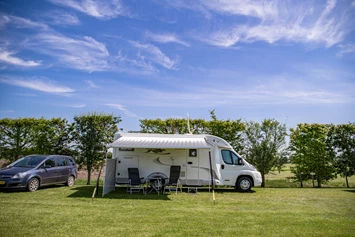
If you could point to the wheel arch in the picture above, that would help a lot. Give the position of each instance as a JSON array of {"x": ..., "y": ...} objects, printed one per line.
[{"x": 36, "y": 177}]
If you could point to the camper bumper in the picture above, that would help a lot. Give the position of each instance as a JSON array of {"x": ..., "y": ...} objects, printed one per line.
[{"x": 257, "y": 178}]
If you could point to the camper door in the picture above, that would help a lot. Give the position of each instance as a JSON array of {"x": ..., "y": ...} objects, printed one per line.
[{"x": 192, "y": 167}]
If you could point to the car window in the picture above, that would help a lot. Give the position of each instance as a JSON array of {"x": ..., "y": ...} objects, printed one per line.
[
  {"x": 50, "y": 162},
  {"x": 226, "y": 155},
  {"x": 29, "y": 161},
  {"x": 61, "y": 161},
  {"x": 70, "y": 162}
]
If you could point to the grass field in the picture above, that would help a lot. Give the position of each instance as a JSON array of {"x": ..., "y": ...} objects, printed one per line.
[
  {"x": 70, "y": 211},
  {"x": 284, "y": 179}
]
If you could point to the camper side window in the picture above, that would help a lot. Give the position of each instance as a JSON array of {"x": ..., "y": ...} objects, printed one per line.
[
  {"x": 227, "y": 158},
  {"x": 230, "y": 158}
]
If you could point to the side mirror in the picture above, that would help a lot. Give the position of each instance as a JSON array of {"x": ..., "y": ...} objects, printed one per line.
[
  {"x": 47, "y": 166},
  {"x": 240, "y": 161}
]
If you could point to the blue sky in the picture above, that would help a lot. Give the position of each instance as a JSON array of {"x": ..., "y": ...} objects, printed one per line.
[{"x": 289, "y": 60}]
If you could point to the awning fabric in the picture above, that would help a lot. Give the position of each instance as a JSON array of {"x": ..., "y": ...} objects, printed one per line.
[{"x": 142, "y": 140}]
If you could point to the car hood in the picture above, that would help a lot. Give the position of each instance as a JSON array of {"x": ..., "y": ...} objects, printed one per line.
[{"x": 13, "y": 170}]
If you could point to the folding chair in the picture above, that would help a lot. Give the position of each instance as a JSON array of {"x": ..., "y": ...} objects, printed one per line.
[
  {"x": 174, "y": 179},
  {"x": 135, "y": 181}
]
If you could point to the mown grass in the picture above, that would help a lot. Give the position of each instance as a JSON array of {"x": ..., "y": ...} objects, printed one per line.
[{"x": 70, "y": 211}]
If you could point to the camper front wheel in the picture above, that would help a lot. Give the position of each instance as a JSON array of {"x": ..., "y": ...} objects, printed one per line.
[{"x": 244, "y": 184}]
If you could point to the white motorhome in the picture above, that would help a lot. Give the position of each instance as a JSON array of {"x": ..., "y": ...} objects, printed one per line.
[{"x": 153, "y": 154}]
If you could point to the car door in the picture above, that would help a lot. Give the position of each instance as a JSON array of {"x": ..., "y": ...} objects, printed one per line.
[
  {"x": 230, "y": 168},
  {"x": 63, "y": 169},
  {"x": 49, "y": 171}
]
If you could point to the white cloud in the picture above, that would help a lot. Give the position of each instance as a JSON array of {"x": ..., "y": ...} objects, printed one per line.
[
  {"x": 156, "y": 55},
  {"x": 259, "y": 9},
  {"x": 122, "y": 108},
  {"x": 20, "y": 22},
  {"x": 302, "y": 22},
  {"x": 62, "y": 18},
  {"x": 346, "y": 49},
  {"x": 84, "y": 53},
  {"x": 39, "y": 84},
  {"x": 7, "y": 111},
  {"x": 91, "y": 84},
  {"x": 165, "y": 38},
  {"x": 7, "y": 57},
  {"x": 102, "y": 9},
  {"x": 77, "y": 105}
]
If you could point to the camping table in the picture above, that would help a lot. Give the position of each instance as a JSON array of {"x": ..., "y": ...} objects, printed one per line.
[{"x": 154, "y": 187}]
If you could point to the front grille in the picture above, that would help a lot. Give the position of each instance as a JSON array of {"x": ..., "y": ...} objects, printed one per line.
[{"x": 5, "y": 177}]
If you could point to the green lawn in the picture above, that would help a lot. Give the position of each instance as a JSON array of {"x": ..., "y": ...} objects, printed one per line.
[{"x": 69, "y": 211}]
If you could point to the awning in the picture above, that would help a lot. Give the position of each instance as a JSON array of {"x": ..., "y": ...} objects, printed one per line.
[{"x": 142, "y": 140}]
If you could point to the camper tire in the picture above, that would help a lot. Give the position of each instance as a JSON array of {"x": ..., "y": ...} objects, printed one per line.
[{"x": 244, "y": 184}]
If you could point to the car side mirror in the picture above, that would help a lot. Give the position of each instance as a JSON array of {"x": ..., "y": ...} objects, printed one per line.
[
  {"x": 240, "y": 161},
  {"x": 47, "y": 166}
]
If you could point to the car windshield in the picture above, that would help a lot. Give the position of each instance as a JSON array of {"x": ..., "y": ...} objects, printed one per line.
[{"x": 29, "y": 161}]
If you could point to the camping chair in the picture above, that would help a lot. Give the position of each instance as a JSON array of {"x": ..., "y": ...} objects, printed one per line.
[
  {"x": 134, "y": 181},
  {"x": 174, "y": 179}
]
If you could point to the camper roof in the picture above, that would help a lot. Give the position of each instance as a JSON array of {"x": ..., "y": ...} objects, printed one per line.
[{"x": 146, "y": 140}]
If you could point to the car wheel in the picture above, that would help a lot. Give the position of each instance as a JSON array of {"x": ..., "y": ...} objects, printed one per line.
[
  {"x": 71, "y": 180},
  {"x": 244, "y": 184},
  {"x": 33, "y": 185}
]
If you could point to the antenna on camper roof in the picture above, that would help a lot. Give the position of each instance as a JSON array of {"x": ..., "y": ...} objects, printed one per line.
[{"x": 188, "y": 123}]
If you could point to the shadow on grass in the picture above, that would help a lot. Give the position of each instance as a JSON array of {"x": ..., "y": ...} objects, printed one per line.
[
  {"x": 350, "y": 191},
  {"x": 119, "y": 193},
  {"x": 14, "y": 190},
  {"x": 86, "y": 191}
]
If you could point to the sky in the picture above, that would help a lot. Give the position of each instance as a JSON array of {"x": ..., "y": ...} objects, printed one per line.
[{"x": 293, "y": 61}]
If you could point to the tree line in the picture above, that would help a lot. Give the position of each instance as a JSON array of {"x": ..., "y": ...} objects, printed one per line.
[
  {"x": 84, "y": 139},
  {"x": 316, "y": 151}
]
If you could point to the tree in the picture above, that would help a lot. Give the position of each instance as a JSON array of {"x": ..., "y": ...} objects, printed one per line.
[
  {"x": 52, "y": 137},
  {"x": 229, "y": 130},
  {"x": 310, "y": 154},
  {"x": 265, "y": 145},
  {"x": 92, "y": 132},
  {"x": 16, "y": 137},
  {"x": 341, "y": 144}
]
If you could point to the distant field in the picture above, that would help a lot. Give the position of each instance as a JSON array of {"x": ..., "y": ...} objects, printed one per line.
[
  {"x": 69, "y": 211},
  {"x": 284, "y": 180}
]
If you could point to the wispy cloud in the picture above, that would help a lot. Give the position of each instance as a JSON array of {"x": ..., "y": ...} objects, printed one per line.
[
  {"x": 21, "y": 22},
  {"x": 91, "y": 84},
  {"x": 7, "y": 111},
  {"x": 137, "y": 65},
  {"x": 122, "y": 108},
  {"x": 7, "y": 57},
  {"x": 102, "y": 9},
  {"x": 165, "y": 38},
  {"x": 346, "y": 49},
  {"x": 38, "y": 84},
  {"x": 304, "y": 22},
  {"x": 62, "y": 18},
  {"x": 154, "y": 54},
  {"x": 77, "y": 105},
  {"x": 83, "y": 53}
]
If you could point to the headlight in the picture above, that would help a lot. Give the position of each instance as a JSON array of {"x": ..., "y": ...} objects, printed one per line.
[{"x": 19, "y": 175}]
